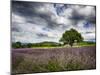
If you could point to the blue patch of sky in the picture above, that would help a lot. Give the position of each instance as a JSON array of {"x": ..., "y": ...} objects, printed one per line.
[
  {"x": 59, "y": 9},
  {"x": 87, "y": 24}
]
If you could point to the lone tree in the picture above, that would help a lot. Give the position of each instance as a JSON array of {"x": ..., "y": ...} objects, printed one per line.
[{"x": 69, "y": 37}]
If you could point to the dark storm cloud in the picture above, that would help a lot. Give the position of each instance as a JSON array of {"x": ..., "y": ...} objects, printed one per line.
[
  {"x": 41, "y": 35},
  {"x": 77, "y": 16},
  {"x": 25, "y": 9},
  {"x": 29, "y": 10}
]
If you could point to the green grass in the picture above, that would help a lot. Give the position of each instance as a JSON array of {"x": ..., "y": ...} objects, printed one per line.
[
  {"x": 82, "y": 44},
  {"x": 48, "y": 47},
  {"x": 86, "y": 44}
]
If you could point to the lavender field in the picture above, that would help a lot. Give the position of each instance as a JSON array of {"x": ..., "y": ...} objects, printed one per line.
[{"x": 35, "y": 60}]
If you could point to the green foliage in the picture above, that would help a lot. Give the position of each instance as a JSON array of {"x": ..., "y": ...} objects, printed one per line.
[
  {"x": 16, "y": 45},
  {"x": 53, "y": 66},
  {"x": 70, "y": 36}
]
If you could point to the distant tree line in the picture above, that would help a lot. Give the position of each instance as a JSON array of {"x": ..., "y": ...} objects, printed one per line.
[{"x": 30, "y": 45}]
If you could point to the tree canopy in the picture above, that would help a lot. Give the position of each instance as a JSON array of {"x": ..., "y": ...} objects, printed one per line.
[{"x": 70, "y": 36}]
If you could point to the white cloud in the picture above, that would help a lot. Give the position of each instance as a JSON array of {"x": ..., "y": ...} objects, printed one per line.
[
  {"x": 17, "y": 18},
  {"x": 89, "y": 36},
  {"x": 86, "y": 11}
]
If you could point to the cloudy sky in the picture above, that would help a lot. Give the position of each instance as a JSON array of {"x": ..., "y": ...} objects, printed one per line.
[{"x": 36, "y": 22}]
